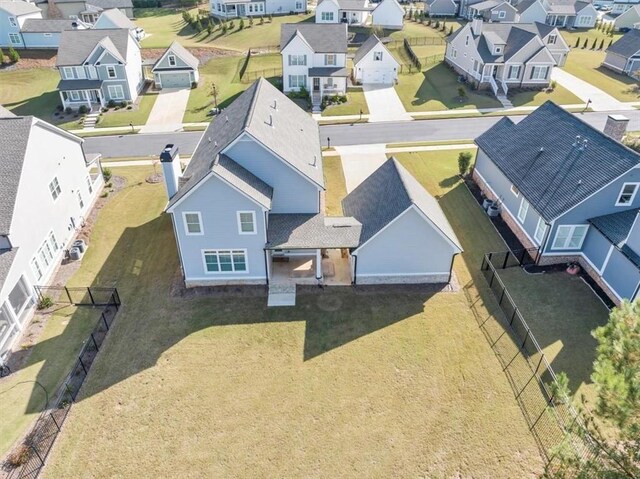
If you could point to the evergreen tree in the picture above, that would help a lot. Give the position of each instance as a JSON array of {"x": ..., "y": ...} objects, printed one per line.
[
  {"x": 241, "y": 24},
  {"x": 584, "y": 45},
  {"x": 577, "y": 43},
  {"x": 1, "y": 57},
  {"x": 13, "y": 55},
  {"x": 601, "y": 44}
]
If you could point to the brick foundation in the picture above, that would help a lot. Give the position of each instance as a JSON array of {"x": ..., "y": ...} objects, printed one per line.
[{"x": 422, "y": 279}]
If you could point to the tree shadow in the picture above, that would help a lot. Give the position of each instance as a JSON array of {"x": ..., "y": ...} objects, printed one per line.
[{"x": 449, "y": 182}]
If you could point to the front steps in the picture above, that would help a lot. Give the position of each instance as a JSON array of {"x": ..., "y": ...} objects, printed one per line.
[
  {"x": 282, "y": 294},
  {"x": 90, "y": 120}
]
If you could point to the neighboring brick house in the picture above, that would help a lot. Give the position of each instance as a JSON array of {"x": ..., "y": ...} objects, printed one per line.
[{"x": 570, "y": 190}]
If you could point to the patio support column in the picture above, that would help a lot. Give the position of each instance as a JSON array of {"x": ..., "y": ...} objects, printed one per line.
[
  {"x": 318, "y": 264},
  {"x": 64, "y": 103}
]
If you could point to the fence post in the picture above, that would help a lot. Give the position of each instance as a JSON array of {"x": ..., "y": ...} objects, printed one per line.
[
  {"x": 524, "y": 252},
  {"x": 525, "y": 338},
  {"x": 506, "y": 259},
  {"x": 68, "y": 295},
  {"x": 94, "y": 342},
  {"x": 82, "y": 364},
  {"x": 502, "y": 296},
  {"x": 90, "y": 296},
  {"x": 513, "y": 316},
  {"x": 54, "y": 421},
  {"x": 39, "y": 456},
  {"x": 492, "y": 277},
  {"x": 104, "y": 320}
]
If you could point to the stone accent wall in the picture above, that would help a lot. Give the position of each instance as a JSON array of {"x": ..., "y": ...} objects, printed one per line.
[
  {"x": 513, "y": 225},
  {"x": 427, "y": 278}
]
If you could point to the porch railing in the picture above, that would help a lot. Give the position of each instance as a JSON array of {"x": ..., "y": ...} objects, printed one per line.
[{"x": 494, "y": 85}]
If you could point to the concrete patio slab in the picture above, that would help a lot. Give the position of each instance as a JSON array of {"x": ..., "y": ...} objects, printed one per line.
[
  {"x": 168, "y": 111},
  {"x": 384, "y": 104}
]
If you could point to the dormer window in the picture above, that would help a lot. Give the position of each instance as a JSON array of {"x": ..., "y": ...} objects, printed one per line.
[
  {"x": 172, "y": 60},
  {"x": 377, "y": 56},
  {"x": 497, "y": 49}
]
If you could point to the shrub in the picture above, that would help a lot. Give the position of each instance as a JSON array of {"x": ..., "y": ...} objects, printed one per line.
[
  {"x": 437, "y": 25},
  {"x": 241, "y": 24},
  {"x": 209, "y": 28},
  {"x": 105, "y": 109},
  {"x": 83, "y": 109},
  {"x": 106, "y": 174},
  {"x": 111, "y": 103},
  {"x": 232, "y": 25},
  {"x": 129, "y": 107},
  {"x": 45, "y": 302},
  {"x": 104, "y": 194},
  {"x": 1, "y": 56},
  {"x": 68, "y": 110},
  {"x": 59, "y": 108},
  {"x": 13, "y": 55},
  {"x": 553, "y": 84},
  {"x": 270, "y": 18},
  {"x": 186, "y": 16},
  {"x": 123, "y": 104},
  {"x": 250, "y": 21},
  {"x": 462, "y": 93},
  {"x": 19, "y": 456},
  {"x": 464, "y": 160}
]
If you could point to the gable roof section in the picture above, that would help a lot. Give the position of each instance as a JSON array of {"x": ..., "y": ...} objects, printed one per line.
[
  {"x": 184, "y": 54},
  {"x": 386, "y": 194},
  {"x": 18, "y": 8},
  {"x": 312, "y": 231},
  {"x": 628, "y": 45},
  {"x": 616, "y": 228},
  {"x": 354, "y": 5},
  {"x": 104, "y": 4},
  {"x": 294, "y": 136},
  {"x": 515, "y": 36},
  {"x": 5, "y": 113},
  {"x": 366, "y": 47},
  {"x": 243, "y": 180},
  {"x": 397, "y": 5},
  {"x": 15, "y": 132},
  {"x": 39, "y": 25},
  {"x": 321, "y": 37},
  {"x": 77, "y": 45},
  {"x": 525, "y": 5},
  {"x": 117, "y": 19},
  {"x": 558, "y": 177}
]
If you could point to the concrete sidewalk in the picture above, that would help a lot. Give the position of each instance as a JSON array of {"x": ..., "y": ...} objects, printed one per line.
[{"x": 600, "y": 100}]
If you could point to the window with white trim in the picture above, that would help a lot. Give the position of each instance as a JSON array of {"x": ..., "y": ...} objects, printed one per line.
[
  {"x": 541, "y": 229},
  {"x": 297, "y": 60},
  {"x": 80, "y": 73},
  {"x": 514, "y": 72},
  {"x": 298, "y": 5},
  {"x": 522, "y": 211},
  {"x": 246, "y": 222},
  {"x": 551, "y": 39},
  {"x": 570, "y": 236},
  {"x": 80, "y": 200},
  {"x": 225, "y": 261},
  {"x": 75, "y": 95},
  {"x": 330, "y": 59},
  {"x": 68, "y": 73},
  {"x": 539, "y": 73},
  {"x": 502, "y": 14},
  {"x": 14, "y": 38},
  {"x": 172, "y": 60},
  {"x": 111, "y": 72},
  {"x": 53, "y": 242},
  {"x": 297, "y": 81},
  {"x": 515, "y": 190},
  {"x": 498, "y": 50},
  {"x": 13, "y": 22},
  {"x": 377, "y": 56},
  {"x": 627, "y": 194},
  {"x": 585, "y": 20},
  {"x": 327, "y": 16},
  {"x": 37, "y": 271},
  {"x": 54, "y": 188},
  {"x": 89, "y": 185},
  {"x": 116, "y": 92},
  {"x": 192, "y": 223}
]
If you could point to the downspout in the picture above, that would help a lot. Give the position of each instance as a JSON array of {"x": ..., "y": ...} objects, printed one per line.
[
  {"x": 266, "y": 264},
  {"x": 543, "y": 245},
  {"x": 634, "y": 296},
  {"x": 355, "y": 270},
  {"x": 175, "y": 233},
  {"x": 451, "y": 267}
]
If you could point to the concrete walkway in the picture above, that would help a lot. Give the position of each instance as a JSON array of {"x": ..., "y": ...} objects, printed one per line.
[
  {"x": 600, "y": 100},
  {"x": 168, "y": 111},
  {"x": 384, "y": 104},
  {"x": 358, "y": 162}
]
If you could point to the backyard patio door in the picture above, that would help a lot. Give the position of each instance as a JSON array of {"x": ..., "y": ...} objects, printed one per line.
[
  {"x": 316, "y": 84},
  {"x": 241, "y": 10}
]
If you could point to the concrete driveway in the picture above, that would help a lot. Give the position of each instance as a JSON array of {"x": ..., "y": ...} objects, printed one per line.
[
  {"x": 600, "y": 100},
  {"x": 384, "y": 104},
  {"x": 168, "y": 111},
  {"x": 358, "y": 162}
]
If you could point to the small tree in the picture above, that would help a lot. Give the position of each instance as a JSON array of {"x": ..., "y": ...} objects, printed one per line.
[
  {"x": 213, "y": 91},
  {"x": 224, "y": 27},
  {"x": 197, "y": 26},
  {"x": 444, "y": 25},
  {"x": 450, "y": 31},
  {"x": 464, "y": 160},
  {"x": 261, "y": 20},
  {"x": 577, "y": 43},
  {"x": 595, "y": 43},
  {"x": 270, "y": 18},
  {"x": 209, "y": 28},
  {"x": 241, "y": 24},
  {"x": 462, "y": 92},
  {"x": 250, "y": 21},
  {"x": 13, "y": 55},
  {"x": 601, "y": 44},
  {"x": 437, "y": 24},
  {"x": 232, "y": 25},
  {"x": 584, "y": 45},
  {"x": 1, "y": 56},
  {"x": 610, "y": 43}
]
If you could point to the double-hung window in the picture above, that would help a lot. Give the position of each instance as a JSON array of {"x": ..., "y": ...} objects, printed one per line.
[
  {"x": 522, "y": 211},
  {"x": 297, "y": 81},
  {"x": 116, "y": 92},
  {"x": 246, "y": 222},
  {"x": 541, "y": 229},
  {"x": 13, "y": 22},
  {"x": 327, "y": 16},
  {"x": 502, "y": 14},
  {"x": 89, "y": 185},
  {"x": 539, "y": 73},
  {"x": 297, "y": 60},
  {"x": 80, "y": 200},
  {"x": 570, "y": 236},
  {"x": 514, "y": 72},
  {"x": 53, "y": 242},
  {"x": 627, "y": 194},
  {"x": 37, "y": 271},
  {"x": 111, "y": 72},
  {"x": 330, "y": 59},
  {"x": 551, "y": 39},
  {"x": 54, "y": 188},
  {"x": 225, "y": 261},
  {"x": 192, "y": 223},
  {"x": 14, "y": 38},
  {"x": 377, "y": 56},
  {"x": 172, "y": 60}
]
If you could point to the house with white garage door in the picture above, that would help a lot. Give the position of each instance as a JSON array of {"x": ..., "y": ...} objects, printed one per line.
[
  {"x": 176, "y": 68},
  {"x": 352, "y": 12},
  {"x": 374, "y": 64},
  {"x": 388, "y": 14}
]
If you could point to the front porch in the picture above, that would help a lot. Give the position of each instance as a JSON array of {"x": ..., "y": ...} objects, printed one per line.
[
  {"x": 327, "y": 82},
  {"x": 76, "y": 93}
]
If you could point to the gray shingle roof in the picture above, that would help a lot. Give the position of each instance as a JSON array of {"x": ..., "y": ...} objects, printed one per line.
[
  {"x": 6, "y": 260},
  {"x": 117, "y": 18},
  {"x": 18, "y": 8},
  {"x": 353, "y": 5},
  {"x": 5, "y": 113},
  {"x": 77, "y": 45},
  {"x": 98, "y": 3},
  {"x": 560, "y": 176},
  {"x": 616, "y": 226},
  {"x": 183, "y": 53},
  {"x": 66, "y": 85},
  {"x": 14, "y": 132},
  {"x": 294, "y": 135},
  {"x": 388, "y": 192},
  {"x": 486, "y": 5},
  {"x": 39, "y": 25},
  {"x": 328, "y": 72},
  {"x": 244, "y": 180},
  {"x": 628, "y": 45},
  {"x": 321, "y": 37},
  {"x": 365, "y": 48},
  {"x": 302, "y": 231},
  {"x": 524, "y": 5}
]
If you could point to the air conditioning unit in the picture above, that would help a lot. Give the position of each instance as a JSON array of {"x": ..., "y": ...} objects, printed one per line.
[
  {"x": 80, "y": 244},
  {"x": 75, "y": 253}
]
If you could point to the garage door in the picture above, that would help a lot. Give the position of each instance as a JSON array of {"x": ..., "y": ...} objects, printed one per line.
[
  {"x": 175, "y": 80},
  {"x": 382, "y": 76}
]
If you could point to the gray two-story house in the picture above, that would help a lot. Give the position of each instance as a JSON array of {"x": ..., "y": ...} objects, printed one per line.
[
  {"x": 97, "y": 66},
  {"x": 87, "y": 11},
  {"x": 13, "y": 15},
  {"x": 569, "y": 190},
  {"x": 248, "y": 209}
]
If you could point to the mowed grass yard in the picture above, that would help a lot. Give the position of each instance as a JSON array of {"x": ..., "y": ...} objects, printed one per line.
[{"x": 346, "y": 384}]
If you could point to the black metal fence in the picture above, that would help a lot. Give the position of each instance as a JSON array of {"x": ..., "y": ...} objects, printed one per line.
[
  {"x": 250, "y": 77},
  {"x": 417, "y": 41},
  {"x": 554, "y": 423},
  {"x": 412, "y": 55},
  {"x": 410, "y": 68},
  {"x": 40, "y": 440}
]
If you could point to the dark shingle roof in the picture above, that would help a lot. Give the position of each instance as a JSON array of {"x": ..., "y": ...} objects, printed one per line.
[
  {"x": 365, "y": 48},
  {"x": 39, "y": 25},
  {"x": 388, "y": 192},
  {"x": 77, "y": 45},
  {"x": 18, "y": 8},
  {"x": 15, "y": 134},
  {"x": 66, "y": 85},
  {"x": 306, "y": 231},
  {"x": 244, "y": 180},
  {"x": 184, "y": 54},
  {"x": 328, "y": 72},
  {"x": 628, "y": 45},
  {"x": 98, "y": 3},
  {"x": 321, "y": 37},
  {"x": 616, "y": 226},
  {"x": 559, "y": 176},
  {"x": 524, "y": 5},
  {"x": 116, "y": 18},
  {"x": 6, "y": 260},
  {"x": 294, "y": 135}
]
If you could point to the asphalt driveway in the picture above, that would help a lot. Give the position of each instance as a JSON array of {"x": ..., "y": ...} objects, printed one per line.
[
  {"x": 168, "y": 111},
  {"x": 384, "y": 104}
]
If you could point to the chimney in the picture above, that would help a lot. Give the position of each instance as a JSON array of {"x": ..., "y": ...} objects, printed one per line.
[
  {"x": 476, "y": 25},
  {"x": 616, "y": 126},
  {"x": 171, "y": 169}
]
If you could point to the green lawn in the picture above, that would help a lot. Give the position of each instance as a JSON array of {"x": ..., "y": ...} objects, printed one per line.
[
  {"x": 559, "y": 95},
  {"x": 49, "y": 363},
  {"x": 335, "y": 184},
  {"x": 348, "y": 383},
  {"x": 356, "y": 102},
  {"x": 123, "y": 116},
  {"x": 436, "y": 88},
  {"x": 585, "y": 64},
  {"x": 166, "y": 25}
]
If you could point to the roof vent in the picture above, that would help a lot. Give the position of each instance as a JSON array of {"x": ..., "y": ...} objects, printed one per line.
[
  {"x": 215, "y": 143},
  {"x": 583, "y": 146},
  {"x": 577, "y": 142},
  {"x": 209, "y": 139},
  {"x": 226, "y": 118},
  {"x": 270, "y": 121},
  {"x": 275, "y": 105},
  {"x": 315, "y": 161}
]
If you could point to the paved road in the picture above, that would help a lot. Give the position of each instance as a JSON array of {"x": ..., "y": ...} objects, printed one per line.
[{"x": 340, "y": 135}]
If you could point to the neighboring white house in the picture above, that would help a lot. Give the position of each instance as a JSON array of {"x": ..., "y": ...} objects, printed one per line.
[
  {"x": 559, "y": 13},
  {"x": 248, "y": 209},
  {"x": 176, "y": 68},
  {"x": 47, "y": 188},
  {"x": 388, "y": 14},
  {"x": 374, "y": 64},
  {"x": 353, "y": 12},
  {"x": 628, "y": 19},
  {"x": 97, "y": 66},
  {"x": 621, "y": 6},
  {"x": 255, "y": 8},
  {"x": 506, "y": 55},
  {"x": 314, "y": 56},
  {"x": 114, "y": 18}
]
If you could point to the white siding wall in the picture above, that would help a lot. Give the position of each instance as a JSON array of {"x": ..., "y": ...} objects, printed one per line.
[
  {"x": 134, "y": 68},
  {"x": 296, "y": 47}
]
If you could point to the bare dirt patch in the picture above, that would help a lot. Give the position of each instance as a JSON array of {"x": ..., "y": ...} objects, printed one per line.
[
  {"x": 33, "y": 59},
  {"x": 202, "y": 54}
]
